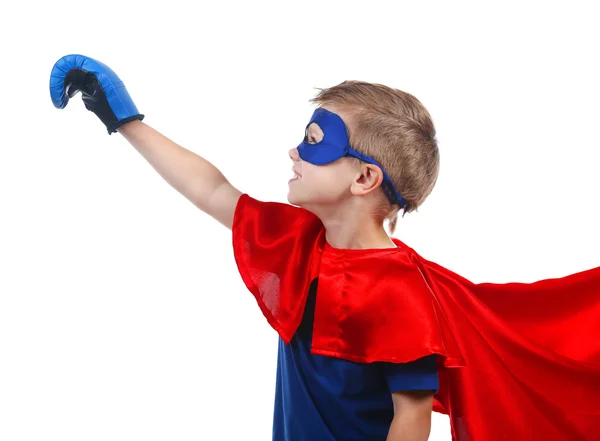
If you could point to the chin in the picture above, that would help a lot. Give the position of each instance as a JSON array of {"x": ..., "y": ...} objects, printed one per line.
[{"x": 293, "y": 201}]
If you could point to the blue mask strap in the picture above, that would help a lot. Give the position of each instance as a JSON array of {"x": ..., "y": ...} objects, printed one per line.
[{"x": 388, "y": 187}]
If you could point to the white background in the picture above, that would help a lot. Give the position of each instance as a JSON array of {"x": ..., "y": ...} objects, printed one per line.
[{"x": 122, "y": 314}]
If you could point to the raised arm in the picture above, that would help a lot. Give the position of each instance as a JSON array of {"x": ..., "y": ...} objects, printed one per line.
[
  {"x": 105, "y": 94},
  {"x": 190, "y": 174}
]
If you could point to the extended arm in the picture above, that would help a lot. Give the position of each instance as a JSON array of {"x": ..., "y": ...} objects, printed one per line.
[
  {"x": 188, "y": 173},
  {"x": 104, "y": 94}
]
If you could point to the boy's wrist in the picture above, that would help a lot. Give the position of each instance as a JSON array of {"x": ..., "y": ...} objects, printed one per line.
[{"x": 129, "y": 126}]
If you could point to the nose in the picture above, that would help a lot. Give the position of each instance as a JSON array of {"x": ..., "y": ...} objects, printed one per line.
[{"x": 294, "y": 156}]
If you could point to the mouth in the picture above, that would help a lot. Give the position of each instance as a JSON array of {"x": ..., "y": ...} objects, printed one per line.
[{"x": 296, "y": 176}]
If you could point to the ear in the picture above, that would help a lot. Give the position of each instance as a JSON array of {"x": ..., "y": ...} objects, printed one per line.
[
  {"x": 373, "y": 175},
  {"x": 369, "y": 179}
]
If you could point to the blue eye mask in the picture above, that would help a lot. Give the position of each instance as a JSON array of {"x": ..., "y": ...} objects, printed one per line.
[{"x": 335, "y": 145}]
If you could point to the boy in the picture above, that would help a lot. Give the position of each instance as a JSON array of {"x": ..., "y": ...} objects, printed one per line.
[{"x": 366, "y": 325}]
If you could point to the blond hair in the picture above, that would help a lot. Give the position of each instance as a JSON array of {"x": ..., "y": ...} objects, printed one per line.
[{"x": 395, "y": 129}]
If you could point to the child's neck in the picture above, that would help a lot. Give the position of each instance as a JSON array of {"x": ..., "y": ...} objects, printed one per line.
[{"x": 359, "y": 239}]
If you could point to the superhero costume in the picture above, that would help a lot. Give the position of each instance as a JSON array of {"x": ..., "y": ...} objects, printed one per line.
[
  {"x": 331, "y": 399},
  {"x": 515, "y": 361}
]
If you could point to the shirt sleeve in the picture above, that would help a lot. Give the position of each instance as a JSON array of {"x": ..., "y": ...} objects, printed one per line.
[{"x": 420, "y": 374}]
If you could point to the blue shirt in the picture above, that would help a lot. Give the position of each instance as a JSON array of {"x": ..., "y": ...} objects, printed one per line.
[{"x": 319, "y": 398}]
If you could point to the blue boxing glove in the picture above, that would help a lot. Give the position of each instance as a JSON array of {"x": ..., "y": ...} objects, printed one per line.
[{"x": 102, "y": 90}]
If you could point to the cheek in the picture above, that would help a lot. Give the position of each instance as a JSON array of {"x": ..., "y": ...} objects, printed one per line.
[{"x": 326, "y": 182}]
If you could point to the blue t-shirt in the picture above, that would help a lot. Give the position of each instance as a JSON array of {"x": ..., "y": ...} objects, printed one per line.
[{"x": 321, "y": 398}]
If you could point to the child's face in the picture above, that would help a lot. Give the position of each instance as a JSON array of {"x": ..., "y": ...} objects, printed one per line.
[{"x": 327, "y": 184}]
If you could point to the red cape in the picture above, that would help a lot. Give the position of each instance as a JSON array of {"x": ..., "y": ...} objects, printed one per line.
[{"x": 516, "y": 361}]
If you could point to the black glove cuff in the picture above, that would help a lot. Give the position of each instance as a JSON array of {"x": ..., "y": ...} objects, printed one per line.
[{"x": 113, "y": 127}]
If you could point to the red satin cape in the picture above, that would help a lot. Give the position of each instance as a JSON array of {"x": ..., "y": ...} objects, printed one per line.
[{"x": 516, "y": 361}]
